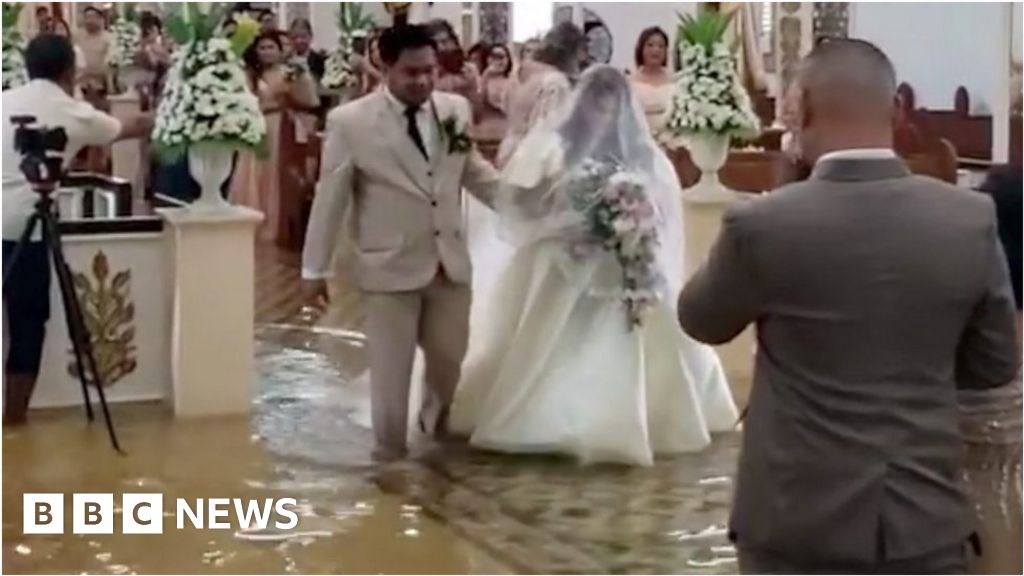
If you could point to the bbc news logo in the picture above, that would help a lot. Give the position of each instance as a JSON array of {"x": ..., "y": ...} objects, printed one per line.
[{"x": 144, "y": 513}]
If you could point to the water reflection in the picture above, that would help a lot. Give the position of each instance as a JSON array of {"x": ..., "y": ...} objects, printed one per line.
[{"x": 449, "y": 511}]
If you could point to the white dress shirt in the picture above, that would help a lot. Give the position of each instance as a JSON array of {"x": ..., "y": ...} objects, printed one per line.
[
  {"x": 424, "y": 120},
  {"x": 859, "y": 154},
  {"x": 52, "y": 107}
]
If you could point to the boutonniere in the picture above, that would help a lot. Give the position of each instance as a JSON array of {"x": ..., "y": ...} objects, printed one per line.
[{"x": 456, "y": 137}]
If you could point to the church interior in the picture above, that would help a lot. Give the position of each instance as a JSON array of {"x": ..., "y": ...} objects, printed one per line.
[{"x": 224, "y": 381}]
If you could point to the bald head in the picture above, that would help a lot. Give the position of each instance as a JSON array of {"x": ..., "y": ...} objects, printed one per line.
[{"x": 847, "y": 93}]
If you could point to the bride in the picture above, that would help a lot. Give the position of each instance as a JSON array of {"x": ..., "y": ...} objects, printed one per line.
[{"x": 575, "y": 347}]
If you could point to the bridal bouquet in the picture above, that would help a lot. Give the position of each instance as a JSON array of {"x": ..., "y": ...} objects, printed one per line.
[
  {"x": 207, "y": 99},
  {"x": 353, "y": 23},
  {"x": 708, "y": 97},
  {"x": 14, "y": 73},
  {"x": 621, "y": 219}
]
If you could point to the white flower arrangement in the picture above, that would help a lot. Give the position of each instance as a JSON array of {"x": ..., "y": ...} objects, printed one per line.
[
  {"x": 127, "y": 38},
  {"x": 352, "y": 24},
  {"x": 620, "y": 219},
  {"x": 708, "y": 97},
  {"x": 14, "y": 73},
  {"x": 207, "y": 100},
  {"x": 338, "y": 71}
]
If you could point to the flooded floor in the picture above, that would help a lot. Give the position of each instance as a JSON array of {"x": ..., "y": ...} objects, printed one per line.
[{"x": 448, "y": 510}]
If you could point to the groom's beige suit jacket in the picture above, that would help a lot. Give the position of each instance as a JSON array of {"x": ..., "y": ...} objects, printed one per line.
[{"x": 408, "y": 218}]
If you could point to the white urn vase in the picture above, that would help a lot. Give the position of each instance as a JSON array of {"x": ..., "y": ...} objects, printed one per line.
[
  {"x": 709, "y": 153},
  {"x": 210, "y": 166}
]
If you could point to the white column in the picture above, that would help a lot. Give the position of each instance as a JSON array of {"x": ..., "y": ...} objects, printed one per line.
[
  {"x": 1001, "y": 94},
  {"x": 703, "y": 222},
  {"x": 212, "y": 327},
  {"x": 324, "y": 18}
]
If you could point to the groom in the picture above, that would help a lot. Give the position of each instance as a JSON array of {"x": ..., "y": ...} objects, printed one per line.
[{"x": 400, "y": 157}]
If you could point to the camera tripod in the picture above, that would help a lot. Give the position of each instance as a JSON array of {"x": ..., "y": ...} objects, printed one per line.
[{"x": 81, "y": 341}]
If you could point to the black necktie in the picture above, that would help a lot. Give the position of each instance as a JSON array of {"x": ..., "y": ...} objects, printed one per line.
[{"x": 414, "y": 130}]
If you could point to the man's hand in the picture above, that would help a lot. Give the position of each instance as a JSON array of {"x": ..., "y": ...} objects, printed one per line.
[
  {"x": 138, "y": 125},
  {"x": 315, "y": 293}
]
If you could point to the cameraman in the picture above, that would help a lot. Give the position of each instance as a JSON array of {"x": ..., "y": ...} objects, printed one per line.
[{"x": 50, "y": 61}]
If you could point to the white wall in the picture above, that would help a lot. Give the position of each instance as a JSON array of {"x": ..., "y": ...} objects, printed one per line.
[
  {"x": 626, "y": 20},
  {"x": 1018, "y": 21},
  {"x": 937, "y": 47}
]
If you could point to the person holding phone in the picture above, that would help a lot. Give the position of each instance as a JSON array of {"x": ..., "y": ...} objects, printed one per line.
[
  {"x": 456, "y": 75},
  {"x": 287, "y": 93}
]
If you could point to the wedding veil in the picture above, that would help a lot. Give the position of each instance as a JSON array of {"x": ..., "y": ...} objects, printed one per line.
[{"x": 602, "y": 122}]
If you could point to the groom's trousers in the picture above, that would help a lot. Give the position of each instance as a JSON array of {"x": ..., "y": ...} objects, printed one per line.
[{"x": 435, "y": 318}]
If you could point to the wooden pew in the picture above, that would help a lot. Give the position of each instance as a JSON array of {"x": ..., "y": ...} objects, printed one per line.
[{"x": 969, "y": 134}]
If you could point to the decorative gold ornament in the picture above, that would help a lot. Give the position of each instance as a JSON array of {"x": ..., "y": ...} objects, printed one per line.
[
  {"x": 394, "y": 8},
  {"x": 109, "y": 315}
]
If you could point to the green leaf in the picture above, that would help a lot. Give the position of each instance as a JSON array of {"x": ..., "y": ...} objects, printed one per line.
[
  {"x": 705, "y": 29},
  {"x": 179, "y": 30}
]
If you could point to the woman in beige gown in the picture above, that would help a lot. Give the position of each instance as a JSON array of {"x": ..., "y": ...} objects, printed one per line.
[
  {"x": 491, "y": 117},
  {"x": 257, "y": 181},
  {"x": 544, "y": 85},
  {"x": 652, "y": 83}
]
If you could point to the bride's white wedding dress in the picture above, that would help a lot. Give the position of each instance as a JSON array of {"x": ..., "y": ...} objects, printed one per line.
[{"x": 553, "y": 366}]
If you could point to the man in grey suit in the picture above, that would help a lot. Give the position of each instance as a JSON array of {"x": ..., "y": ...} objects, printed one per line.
[{"x": 876, "y": 294}]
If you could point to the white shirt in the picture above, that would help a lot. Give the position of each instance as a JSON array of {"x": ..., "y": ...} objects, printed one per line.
[
  {"x": 52, "y": 107},
  {"x": 859, "y": 154},
  {"x": 424, "y": 120}
]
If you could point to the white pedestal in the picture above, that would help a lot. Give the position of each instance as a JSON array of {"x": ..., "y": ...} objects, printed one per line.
[
  {"x": 703, "y": 222},
  {"x": 212, "y": 329}
]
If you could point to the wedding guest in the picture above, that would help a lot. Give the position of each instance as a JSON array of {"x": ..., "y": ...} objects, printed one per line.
[
  {"x": 544, "y": 84},
  {"x": 456, "y": 74},
  {"x": 491, "y": 119},
  {"x": 877, "y": 294},
  {"x": 272, "y": 185},
  {"x": 528, "y": 49},
  {"x": 991, "y": 419},
  {"x": 652, "y": 83},
  {"x": 61, "y": 28},
  {"x": 95, "y": 43},
  {"x": 267, "y": 20},
  {"x": 301, "y": 34},
  {"x": 369, "y": 65},
  {"x": 154, "y": 56},
  {"x": 44, "y": 21},
  {"x": 478, "y": 55}
]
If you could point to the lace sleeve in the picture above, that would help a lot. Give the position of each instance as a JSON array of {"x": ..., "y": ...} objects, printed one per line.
[{"x": 552, "y": 96}]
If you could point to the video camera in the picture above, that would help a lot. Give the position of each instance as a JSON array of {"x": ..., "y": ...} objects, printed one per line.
[{"x": 42, "y": 151}]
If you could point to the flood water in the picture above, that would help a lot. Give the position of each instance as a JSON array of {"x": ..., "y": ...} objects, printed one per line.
[{"x": 447, "y": 511}]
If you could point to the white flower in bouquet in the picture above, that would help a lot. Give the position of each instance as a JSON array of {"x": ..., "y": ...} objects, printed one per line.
[
  {"x": 127, "y": 36},
  {"x": 708, "y": 97},
  {"x": 206, "y": 98},
  {"x": 619, "y": 217}
]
